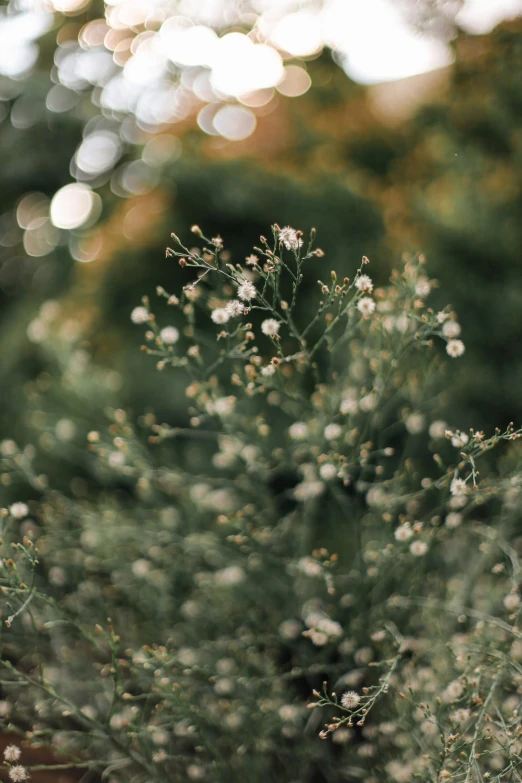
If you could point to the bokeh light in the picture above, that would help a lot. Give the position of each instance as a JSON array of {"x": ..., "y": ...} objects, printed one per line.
[{"x": 74, "y": 205}]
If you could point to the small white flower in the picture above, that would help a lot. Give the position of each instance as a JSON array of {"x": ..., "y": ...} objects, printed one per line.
[
  {"x": 220, "y": 315},
  {"x": 403, "y": 532},
  {"x": 169, "y": 335},
  {"x": 442, "y": 316},
  {"x": 366, "y": 306},
  {"x": 364, "y": 283},
  {"x": 453, "y": 519},
  {"x": 415, "y": 423},
  {"x": 511, "y": 602},
  {"x": 307, "y": 490},
  {"x": 12, "y": 753},
  {"x": 246, "y": 291},
  {"x": 437, "y": 429},
  {"x": 423, "y": 287},
  {"x": 455, "y": 348},
  {"x": 452, "y": 692},
  {"x": 298, "y": 430},
  {"x": 140, "y": 315},
  {"x": 328, "y": 471},
  {"x": 310, "y": 567},
  {"x": 8, "y": 448},
  {"x": 288, "y": 236},
  {"x": 418, "y": 548},
  {"x": 18, "y": 773},
  {"x": 270, "y": 327},
  {"x": 332, "y": 431},
  {"x": 451, "y": 329},
  {"x": 268, "y": 371},
  {"x": 19, "y": 510},
  {"x": 459, "y": 439},
  {"x": 229, "y": 576},
  {"x": 350, "y": 700},
  {"x": 235, "y": 308},
  {"x": 458, "y": 487},
  {"x": 224, "y": 405},
  {"x": 461, "y": 716},
  {"x": 318, "y": 638}
]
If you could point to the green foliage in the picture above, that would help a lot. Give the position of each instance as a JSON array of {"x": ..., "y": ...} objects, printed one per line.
[{"x": 280, "y": 536}]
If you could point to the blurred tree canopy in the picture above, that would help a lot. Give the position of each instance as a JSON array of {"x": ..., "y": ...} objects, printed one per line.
[{"x": 445, "y": 182}]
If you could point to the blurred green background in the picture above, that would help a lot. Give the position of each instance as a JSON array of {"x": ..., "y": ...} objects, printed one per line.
[{"x": 431, "y": 163}]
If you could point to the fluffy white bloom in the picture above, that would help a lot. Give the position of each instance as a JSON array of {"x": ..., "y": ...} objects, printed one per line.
[
  {"x": 224, "y": 405},
  {"x": 461, "y": 716},
  {"x": 415, "y": 423},
  {"x": 364, "y": 283},
  {"x": 332, "y": 431},
  {"x": 8, "y": 448},
  {"x": 402, "y": 323},
  {"x": 140, "y": 315},
  {"x": 418, "y": 548},
  {"x": 455, "y": 348},
  {"x": 511, "y": 602},
  {"x": 19, "y": 510},
  {"x": 270, "y": 327},
  {"x": 12, "y": 753},
  {"x": 234, "y": 308},
  {"x": 230, "y": 576},
  {"x": 298, "y": 430},
  {"x": 268, "y": 371},
  {"x": 452, "y": 692},
  {"x": 367, "y": 403},
  {"x": 451, "y": 329},
  {"x": 350, "y": 700},
  {"x": 169, "y": 335},
  {"x": 349, "y": 403},
  {"x": 403, "y": 532},
  {"x": 288, "y": 236},
  {"x": 328, "y": 471},
  {"x": 330, "y": 627},
  {"x": 310, "y": 567},
  {"x": 18, "y": 773},
  {"x": 318, "y": 638},
  {"x": 220, "y": 315},
  {"x": 459, "y": 439},
  {"x": 342, "y": 736},
  {"x": 307, "y": 490},
  {"x": 453, "y": 519},
  {"x": 458, "y": 487},
  {"x": 366, "y": 306},
  {"x": 246, "y": 291},
  {"x": 141, "y": 567},
  {"x": 437, "y": 429},
  {"x": 423, "y": 287}
]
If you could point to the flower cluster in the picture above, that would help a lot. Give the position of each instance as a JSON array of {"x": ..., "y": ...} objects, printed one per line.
[{"x": 303, "y": 550}]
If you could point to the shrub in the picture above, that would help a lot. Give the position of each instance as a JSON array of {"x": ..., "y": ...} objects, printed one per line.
[{"x": 304, "y": 580}]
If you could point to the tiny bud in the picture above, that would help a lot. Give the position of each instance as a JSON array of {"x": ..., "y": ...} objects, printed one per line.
[
  {"x": 182, "y": 262},
  {"x": 333, "y": 275},
  {"x": 196, "y": 230}
]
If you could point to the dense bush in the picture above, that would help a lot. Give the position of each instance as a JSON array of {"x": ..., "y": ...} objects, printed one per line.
[{"x": 276, "y": 583}]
